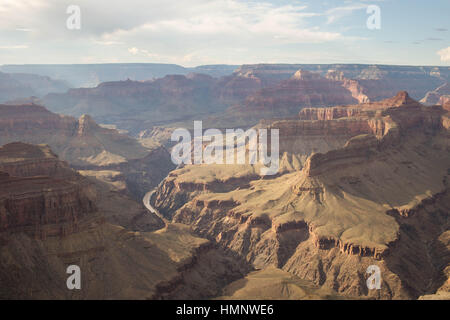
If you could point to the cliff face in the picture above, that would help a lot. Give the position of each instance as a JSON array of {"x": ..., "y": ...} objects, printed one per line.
[
  {"x": 26, "y": 206},
  {"x": 40, "y": 194},
  {"x": 304, "y": 89},
  {"x": 86, "y": 145},
  {"x": 361, "y": 201}
]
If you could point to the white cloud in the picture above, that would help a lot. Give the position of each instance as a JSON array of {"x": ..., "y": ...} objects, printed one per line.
[
  {"x": 192, "y": 31},
  {"x": 22, "y": 46},
  {"x": 231, "y": 18},
  {"x": 338, "y": 13},
  {"x": 134, "y": 51},
  {"x": 24, "y": 29},
  {"x": 107, "y": 43},
  {"x": 444, "y": 54},
  {"x": 189, "y": 32}
]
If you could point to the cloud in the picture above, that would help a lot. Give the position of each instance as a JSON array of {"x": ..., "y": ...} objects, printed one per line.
[
  {"x": 107, "y": 43},
  {"x": 134, "y": 51},
  {"x": 335, "y": 14},
  {"x": 232, "y": 18},
  {"x": 14, "y": 47},
  {"x": 444, "y": 54},
  {"x": 24, "y": 29},
  {"x": 193, "y": 31}
]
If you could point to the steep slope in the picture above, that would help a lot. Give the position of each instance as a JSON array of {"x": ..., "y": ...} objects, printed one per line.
[{"x": 380, "y": 199}]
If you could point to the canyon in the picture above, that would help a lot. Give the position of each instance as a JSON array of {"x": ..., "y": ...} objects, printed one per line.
[
  {"x": 363, "y": 180},
  {"x": 52, "y": 217}
]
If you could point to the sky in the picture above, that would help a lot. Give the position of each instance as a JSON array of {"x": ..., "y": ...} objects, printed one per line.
[{"x": 199, "y": 32}]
